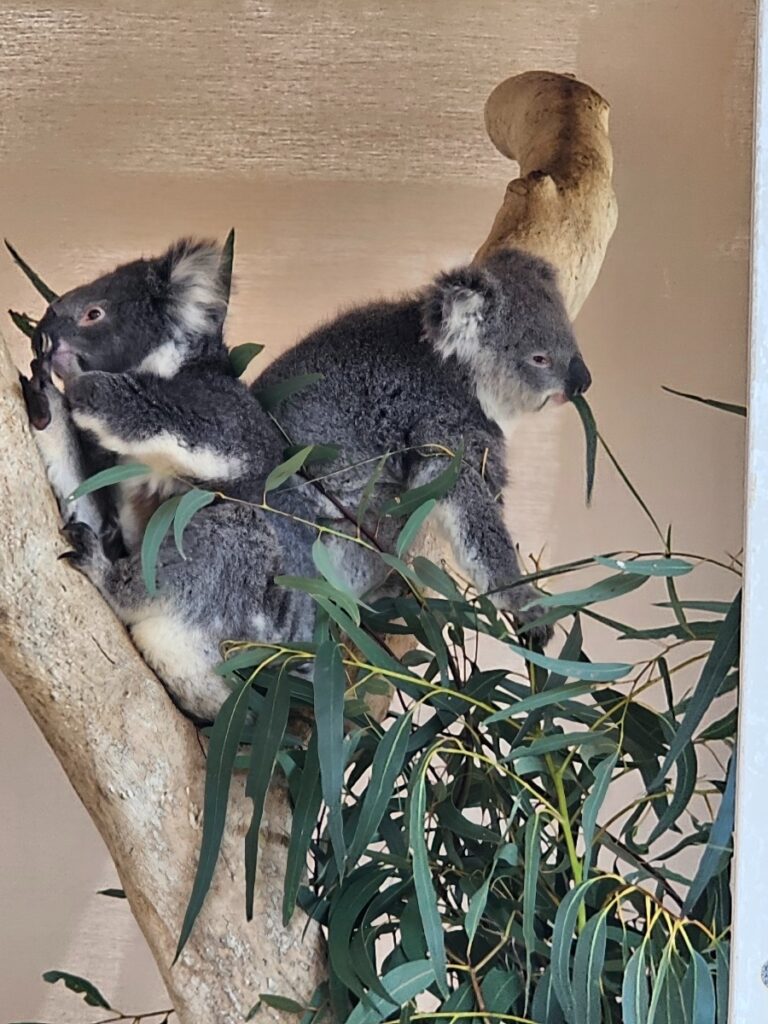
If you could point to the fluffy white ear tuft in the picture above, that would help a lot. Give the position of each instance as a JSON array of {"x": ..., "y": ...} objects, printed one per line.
[
  {"x": 197, "y": 289},
  {"x": 453, "y": 312}
]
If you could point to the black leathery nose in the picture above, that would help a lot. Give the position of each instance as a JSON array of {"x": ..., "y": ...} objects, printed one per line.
[{"x": 579, "y": 378}]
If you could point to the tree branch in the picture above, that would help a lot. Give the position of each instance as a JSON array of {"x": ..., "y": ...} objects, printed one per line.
[{"x": 136, "y": 762}]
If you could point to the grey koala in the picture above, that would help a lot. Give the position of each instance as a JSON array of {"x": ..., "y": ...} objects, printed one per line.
[
  {"x": 418, "y": 378},
  {"x": 147, "y": 378}
]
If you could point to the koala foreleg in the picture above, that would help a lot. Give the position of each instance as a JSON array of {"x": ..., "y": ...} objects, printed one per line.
[
  {"x": 59, "y": 445},
  {"x": 472, "y": 518},
  {"x": 137, "y": 417}
]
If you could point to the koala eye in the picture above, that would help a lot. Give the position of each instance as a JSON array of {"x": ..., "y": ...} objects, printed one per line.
[
  {"x": 540, "y": 359},
  {"x": 91, "y": 315}
]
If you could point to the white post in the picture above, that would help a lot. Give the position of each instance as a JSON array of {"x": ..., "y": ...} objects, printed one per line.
[{"x": 749, "y": 957}]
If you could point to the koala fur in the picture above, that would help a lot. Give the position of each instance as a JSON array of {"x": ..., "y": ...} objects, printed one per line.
[
  {"x": 418, "y": 378},
  {"x": 147, "y": 378}
]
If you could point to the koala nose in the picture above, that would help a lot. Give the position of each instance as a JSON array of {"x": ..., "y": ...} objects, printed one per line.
[{"x": 578, "y": 379}]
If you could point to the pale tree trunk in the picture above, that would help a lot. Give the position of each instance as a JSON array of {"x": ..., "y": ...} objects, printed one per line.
[{"x": 135, "y": 762}]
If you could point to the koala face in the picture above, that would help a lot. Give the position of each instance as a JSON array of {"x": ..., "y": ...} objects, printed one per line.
[
  {"x": 507, "y": 322},
  {"x": 151, "y": 314}
]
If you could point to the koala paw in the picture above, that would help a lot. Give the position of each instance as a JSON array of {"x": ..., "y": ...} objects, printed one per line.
[
  {"x": 85, "y": 545},
  {"x": 36, "y": 400},
  {"x": 518, "y": 601},
  {"x": 539, "y": 635},
  {"x": 39, "y": 391},
  {"x": 91, "y": 394}
]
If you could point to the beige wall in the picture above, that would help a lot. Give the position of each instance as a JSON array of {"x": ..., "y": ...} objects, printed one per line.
[{"x": 345, "y": 142}]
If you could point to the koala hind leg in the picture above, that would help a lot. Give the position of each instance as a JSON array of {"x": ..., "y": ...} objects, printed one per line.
[{"x": 180, "y": 650}]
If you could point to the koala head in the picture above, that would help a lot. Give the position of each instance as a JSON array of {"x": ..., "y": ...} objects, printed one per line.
[
  {"x": 153, "y": 315},
  {"x": 506, "y": 321}
]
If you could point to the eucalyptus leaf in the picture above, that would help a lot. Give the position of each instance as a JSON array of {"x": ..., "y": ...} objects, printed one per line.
[
  {"x": 590, "y": 437},
  {"x": 329, "y": 685},
  {"x": 154, "y": 534},
  {"x": 109, "y": 477},
  {"x": 437, "y": 488},
  {"x": 267, "y": 737},
  {"x": 81, "y": 986},
  {"x": 241, "y": 356},
  {"x": 422, "y": 877},
  {"x": 225, "y": 736},
  {"x": 34, "y": 279},
  {"x": 271, "y": 398},
  {"x": 189, "y": 505}
]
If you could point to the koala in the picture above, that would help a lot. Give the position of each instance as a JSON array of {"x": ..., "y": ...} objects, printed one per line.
[
  {"x": 418, "y": 378},
  {"x": 147, "y": 378}
]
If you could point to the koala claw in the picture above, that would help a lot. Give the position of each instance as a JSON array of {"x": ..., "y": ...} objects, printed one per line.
[
  {"x": 519, "y": 601},
  {"x": 539, "y": 635},
  {"x": 38, "y": 406},
  {"x": 84, "y": 542}
]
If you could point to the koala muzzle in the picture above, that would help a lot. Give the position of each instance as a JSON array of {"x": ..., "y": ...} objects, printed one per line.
[{"x": 578, "y": 379}]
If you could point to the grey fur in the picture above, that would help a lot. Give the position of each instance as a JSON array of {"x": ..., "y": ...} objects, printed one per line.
[
  {"x": 419, "y": 377},
  {"x": 149, "y": 381}
]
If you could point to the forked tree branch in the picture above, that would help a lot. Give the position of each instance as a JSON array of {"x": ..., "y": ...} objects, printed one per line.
[
  {"x": 136, "y": 763},
  {"x": 134, "y": 760}
]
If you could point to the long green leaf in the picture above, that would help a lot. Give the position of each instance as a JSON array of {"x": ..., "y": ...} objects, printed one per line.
[
  {"x": 720, "y": 843},
  {"x": 241, "y": 356},
  {"x": 635, "y": 1000},
  {"x": 722, "y": 658},
  {"x": 539, "y": 701},
  {"x": 722, "y": 979},
  {"x": 562, "y": 941},
  {"x": 321, "y": 589},
  {"x": 154, "y": 535},
  {"x": 545, "y": 1006},
  {"x": 358, "y": 892},
  {"x": 272, "y": 397},
  {"x": 500, "y": 990},
  {"x": 283, "y": 1003},
  {"x": 422, "y": 875},
  {"x": 530, "y": 889},
  {"x": 34, "y": 279},
  {"x": 437, "y": 488},
  {"x": 413, "y": 525},
  {"x": 304, "y": 821},
  {"x": 592, "y": 804},
  {"x": 386, "y": 766},
  {"x": 685, "y": 785},
  {"x": 334, "y": 577},
  {"x": 590, "y": 437},
  {"x": 647, "y": 566},
  {"x": 587, "y": 968},
  {"x": 267, "y": 737},
  {"x": 108, "y": 477},
  {"x": 738, "y": 410},
  {"x": 699, "y": 991},
  {"x": 190, "y": 504},
  {"x": 604, "y": 590},
  {"x": 329, "y": 685},
  {"x": 594, "y": 671},
  {"x": 22, "y": 322},
  {"x": 225, "y": 736},
  {"x": 403, "y": 983},
  {"x": 81, "y": 986},
  {"x": 286, "y": 469},
  {"x": 227, "y": 263},
  {"x": 475, "y": 911}
]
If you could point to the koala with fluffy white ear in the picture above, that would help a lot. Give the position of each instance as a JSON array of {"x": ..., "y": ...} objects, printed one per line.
[
  {"x": 147, "y": 378},
  {"x": 420, "y": 377}
]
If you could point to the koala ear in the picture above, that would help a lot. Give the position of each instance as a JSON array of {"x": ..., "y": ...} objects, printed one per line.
[
  {"x": 191, "y": 271},
  {"x": 454, "y": 309}
]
